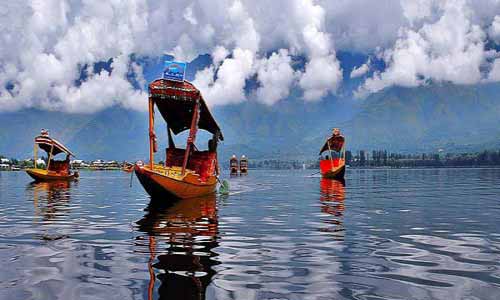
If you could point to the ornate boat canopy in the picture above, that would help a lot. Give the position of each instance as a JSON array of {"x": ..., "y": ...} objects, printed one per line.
[
  {"x": 336, "y": 143},
  {"x": 46, "y": 143},
  {"x": 176, "y": 101}
]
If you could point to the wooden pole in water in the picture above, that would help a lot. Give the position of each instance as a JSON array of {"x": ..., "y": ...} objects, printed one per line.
[
  {"x": 36, "y": 154},
  {"x": 151, "y": 133},
  {"x": 50, "y": 156},
  {"x": 192, "y": 136}
]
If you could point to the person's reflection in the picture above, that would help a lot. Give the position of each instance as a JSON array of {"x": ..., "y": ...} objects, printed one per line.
[
  {"x": 332, "y": 202},
  {"x": 181, "y": 238},
  {"x": 49, "y": 197}
]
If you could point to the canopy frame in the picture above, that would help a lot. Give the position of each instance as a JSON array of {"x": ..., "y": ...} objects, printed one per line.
[
  {"x": 192, "y": 113},
  {"x": 51, "y": 146}
]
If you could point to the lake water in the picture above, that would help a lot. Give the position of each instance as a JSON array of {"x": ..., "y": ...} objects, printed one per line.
[{"x": 386, "y": 234}]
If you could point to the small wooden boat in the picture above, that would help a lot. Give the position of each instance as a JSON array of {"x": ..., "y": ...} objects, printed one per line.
[
  {"x": 243, "y": 165},
  {"x": 56, "y": 169},
  {"x": 127, "y": 167},
  {"x": 233, "y": 165},
  {"x": 332, "y": 165},
  {"x": 188, "y": 172}
]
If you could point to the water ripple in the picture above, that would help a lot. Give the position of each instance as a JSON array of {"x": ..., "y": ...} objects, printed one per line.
[{"x": 381, "y": 234}]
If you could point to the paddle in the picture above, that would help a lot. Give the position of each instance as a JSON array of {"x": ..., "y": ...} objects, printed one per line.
[
  {"x": 224, "y": 187},
  {"x": 131, "y": 175},
  {"x": 314, "y": 173}
]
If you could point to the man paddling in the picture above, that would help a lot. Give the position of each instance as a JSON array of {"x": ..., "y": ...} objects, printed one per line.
[{"x": 333, "y": 139}]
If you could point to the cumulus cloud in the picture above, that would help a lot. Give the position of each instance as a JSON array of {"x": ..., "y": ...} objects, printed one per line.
[
  {"x": 48, "y": 46},
  {"x": 230, "y": 82},
  {"x": 494, "y": 74},
  {"x": 50, "y": 51},
  {"x": 322, "y": 73},
  {"x": 417, "y": 10},
  {"x": 275, "y": 76},
  {"x": 494, "y": 30},
  {"x": 361, "y": 70},
  {"x": 450, "y": 49}
]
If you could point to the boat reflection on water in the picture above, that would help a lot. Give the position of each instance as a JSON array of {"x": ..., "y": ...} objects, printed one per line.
[
  {"x": 332, "y": 196},
  {"x": 50, "y": 197},
  {"x": 180, "y": 240}
]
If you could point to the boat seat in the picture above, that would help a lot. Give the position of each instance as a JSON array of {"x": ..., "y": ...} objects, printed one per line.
[
  {"x": 175, "y": 157},
  {"x": 201, "y": 162},
  {"x": 60, "y": 167}
]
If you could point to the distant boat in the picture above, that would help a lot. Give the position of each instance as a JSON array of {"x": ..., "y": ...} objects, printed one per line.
[
  {"x": 233, "y": 165},
  {"x": 56, "y": 169},
  {"x": 127, "y": 167},
  {"x": 332, "y": 156},
  {"x": 188, "y": 172},
  {"x": 243, "y": 165}
]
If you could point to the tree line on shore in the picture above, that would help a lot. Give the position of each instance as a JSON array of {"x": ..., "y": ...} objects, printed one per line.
[
  {"x": 384, "y": 158},
  {"x": 361, "y": 159}
]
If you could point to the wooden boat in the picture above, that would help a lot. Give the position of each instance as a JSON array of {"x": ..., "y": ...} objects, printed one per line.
[
  {"x": 56, "y": 169},
  {"x": 129, "y": 168},
  {"x": 332, "y": 165},
  {"x": 233, "y": 165},
  {"x": 188, "y": 172},
  {"x": 243, "y": 165}
]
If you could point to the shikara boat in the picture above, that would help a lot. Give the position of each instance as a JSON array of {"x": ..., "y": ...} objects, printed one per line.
[
  {"x": 56, "y": 169},
  {"x": 127, "y": 167},
  {"x": 243, "y": 165},
  {"x": 188, "y": 172},
  {"x": 233, "y": 165},
  {"x": 332, "y": 156}
]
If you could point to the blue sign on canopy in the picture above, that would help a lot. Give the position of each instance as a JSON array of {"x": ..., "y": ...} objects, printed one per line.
[{"x": 174, "y": 70}]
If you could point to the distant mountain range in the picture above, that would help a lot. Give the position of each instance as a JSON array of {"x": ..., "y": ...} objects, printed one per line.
[
  {"x": 424, "y": 119},
  {"x": 454, "y": 118},
  {"x": 449, "y": 117}
]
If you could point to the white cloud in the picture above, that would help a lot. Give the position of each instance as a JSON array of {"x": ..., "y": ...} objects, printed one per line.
[
  {"x": 189, "y": 15},
  {"x": 276, "y": 77},
  {"x": 494, "y": 74},
  {"x": 361, "y": 70},
  {"x": 494, "y": 30},
  {"x": 47, "y": 43},
  {"x": 450, "y": 49},
  {"x": 416, "y": 10},
  {"x": 219, "y": 54},
  {"x": 322, "y": 72},
  {"x": 322, "y": 76},
  {"x": 231, "y": 76}
]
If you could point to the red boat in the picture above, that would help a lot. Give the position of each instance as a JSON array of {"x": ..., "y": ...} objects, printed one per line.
[
  {"x": 332, "y": 156},
  {"x": 188, "y": 172},
  {"x": 56, "y": 169}
]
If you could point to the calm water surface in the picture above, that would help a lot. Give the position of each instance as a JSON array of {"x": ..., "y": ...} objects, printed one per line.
[{"x": 386, "y": 234}]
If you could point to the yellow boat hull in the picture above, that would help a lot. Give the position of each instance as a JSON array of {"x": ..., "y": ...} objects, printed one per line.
[
  {"x": 164, "y": 183},
  {"x": 45, "y": 175}
]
